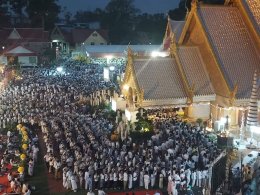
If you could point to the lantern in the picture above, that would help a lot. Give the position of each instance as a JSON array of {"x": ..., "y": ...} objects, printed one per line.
[
  {"x": 24, "y": 132},
  {"x": 25, "y": 138},
  {"x": 25, "y": 146},
  {"x": 22, "y": 156},
  {"x": 19, "y": 126},
  {"x": 20, "y": 169}
]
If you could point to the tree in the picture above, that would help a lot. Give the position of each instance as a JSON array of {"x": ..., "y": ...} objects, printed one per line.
[
  {"x": 146, "y": 24},
  {"x": 43, "y": 12},
  {"x": 119, "y": 18},
  {"x": 185, "y": 5},
  {"x": 4, "y": 19},
  {"x": 89, "y": 16},
  {"x": 18, "y": 6}
]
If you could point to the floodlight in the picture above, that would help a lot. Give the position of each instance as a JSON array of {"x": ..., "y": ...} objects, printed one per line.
[{"x": 126, "y": 87}]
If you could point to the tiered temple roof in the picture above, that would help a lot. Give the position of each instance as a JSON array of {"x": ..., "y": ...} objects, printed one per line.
[{"x": 215, "y": 52}]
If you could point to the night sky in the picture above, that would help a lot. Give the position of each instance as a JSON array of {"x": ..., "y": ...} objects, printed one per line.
[{"x": 149, "y": 6}]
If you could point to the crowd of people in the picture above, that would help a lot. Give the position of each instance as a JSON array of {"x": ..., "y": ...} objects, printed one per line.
[
  {"x": 77, "y": 138},
  {"x": 15, "y": 156}
]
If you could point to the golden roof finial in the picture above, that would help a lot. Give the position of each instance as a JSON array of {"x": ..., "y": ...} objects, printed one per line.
[
  {"x": 129, "y": 52},
  {"x": 194, "y": 4}
]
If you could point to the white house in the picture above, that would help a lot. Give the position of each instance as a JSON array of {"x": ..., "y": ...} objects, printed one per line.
[{"x": 19, "y": 55}]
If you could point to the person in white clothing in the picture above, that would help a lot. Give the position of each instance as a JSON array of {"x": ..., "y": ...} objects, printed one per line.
[
  {"x": 188, "y": 176},
  {"x": 86, "y": 177},
  {"x": 199, "y": 178},
  {"x": 146, "y": 181},
  {"x": 193, "y": 177},
  {"x": 141, "y": 178},
  {"x": 130, "y": 180},
  {"x": 73, "y": 181}
]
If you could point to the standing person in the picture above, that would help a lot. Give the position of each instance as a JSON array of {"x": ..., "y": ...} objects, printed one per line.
[
  {"x": 125, "y": 179},
  {"x": 120, "y": 178},
  {"x": 35, "y": 153},
  {"x": 73, "y": 181},
  {"x": 51, "y": 163},
  {"x": 30, "y": 167},
  {"x": 106, "y": 180},
  {"x": 64, "y": 178},
  {"x": 81, "y": 178},
  {"x": 188, "y": 176},
  {"x": 130, "y": 180},
  {"x": 146, "y": 180},
  {"x": 96, "y": 179},
  {"x": 86, "y": 177},
  {"x": 193, "y": 177},
  {"x": 102, "y": 180},
  {"x": 135, "y": 177},
  {"x": 57, "y": 166},
  {"x": 199, "y": 178},
  {"x": 170, "y": 185},
  {"x": 161, "y": 180},
  {"x": 141, "y": 178},
  {"x": 152, "y": 180},
  {"x": 90, "y": 183}
]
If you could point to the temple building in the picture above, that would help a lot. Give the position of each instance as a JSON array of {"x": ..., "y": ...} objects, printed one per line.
[{"x": 207, "y": 64}]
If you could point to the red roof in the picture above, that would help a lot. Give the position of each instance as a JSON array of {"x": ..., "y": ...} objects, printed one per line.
[
  {"x": 77, "y": 35},
  {"x": 26, "y": 34}
]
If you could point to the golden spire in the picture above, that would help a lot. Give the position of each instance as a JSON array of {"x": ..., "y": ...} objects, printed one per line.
[{"x": 194, "y": 4}]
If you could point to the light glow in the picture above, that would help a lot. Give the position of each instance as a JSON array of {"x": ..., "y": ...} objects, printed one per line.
[
  {"x": 59, "y": 69},
  {"x": 155, "y": 54},
  {"x": 128, "y": 115},
  {"x": 106, "y": 74},
  {"x": 111, "y": 68},
  {"x": 255, "y": 129},
  {"x": 126, "y": 87},
  {"x": 113, "y": 105}
]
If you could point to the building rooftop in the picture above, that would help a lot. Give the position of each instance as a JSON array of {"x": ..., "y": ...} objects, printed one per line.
[
  {"x": 195, "y": 70},
  {"x": 232, "y": 45},
  {"x": 159, "y": 78}
]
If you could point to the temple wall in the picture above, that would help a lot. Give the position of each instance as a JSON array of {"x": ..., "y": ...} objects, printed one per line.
[{"x": 196, "y": 111}]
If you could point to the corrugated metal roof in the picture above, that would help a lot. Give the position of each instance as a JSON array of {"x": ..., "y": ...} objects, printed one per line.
[
  {"x": 159, "y": 78},
  {"x": 120, "y": 48},
  {"x": 232, "y": 45},
  {"x": 195, "y": 71}
]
